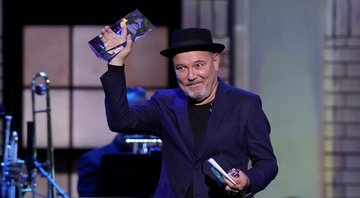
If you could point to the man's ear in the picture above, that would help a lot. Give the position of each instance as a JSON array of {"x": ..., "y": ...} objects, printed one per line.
[{"x": 216, "y": 61}]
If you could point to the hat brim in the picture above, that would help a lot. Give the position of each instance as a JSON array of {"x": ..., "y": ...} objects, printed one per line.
[{"x": 214, "y": 47}]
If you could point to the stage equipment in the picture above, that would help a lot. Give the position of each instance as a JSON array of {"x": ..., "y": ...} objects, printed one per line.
[
  {"x": 10, "y": 164},
  {"x": 144, "y": 144},
  {"x": 39, "y": 89}
]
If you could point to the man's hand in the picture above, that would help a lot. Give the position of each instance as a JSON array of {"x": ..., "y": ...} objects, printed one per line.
[
  {"x": 241, "y": 179},
  {"x": 115, "y": 44}
]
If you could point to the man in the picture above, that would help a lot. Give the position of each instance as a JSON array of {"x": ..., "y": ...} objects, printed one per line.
[
  {"x": 205, "y": 118},
  {"x": 89, "y": 162}
]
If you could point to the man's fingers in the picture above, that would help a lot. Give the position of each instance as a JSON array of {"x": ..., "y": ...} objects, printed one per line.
[
  {"x": 123, "y": 30},
  {"x": 230, "y": 190},
  {"x": 112, "y": 41}
]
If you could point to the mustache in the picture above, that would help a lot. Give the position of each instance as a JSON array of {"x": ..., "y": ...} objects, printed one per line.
[{"x": 193, "y": 83}]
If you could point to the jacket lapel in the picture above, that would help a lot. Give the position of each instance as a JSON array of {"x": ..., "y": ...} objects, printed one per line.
[
  {"x": 218, "y": 110},
  {"x": 181, "y": 113}
]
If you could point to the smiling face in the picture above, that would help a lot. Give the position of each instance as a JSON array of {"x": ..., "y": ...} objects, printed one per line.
[{"x": 196, "y": 73}]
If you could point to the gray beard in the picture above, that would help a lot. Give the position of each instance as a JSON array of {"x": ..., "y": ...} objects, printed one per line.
[{"x": 196, "y": 97}]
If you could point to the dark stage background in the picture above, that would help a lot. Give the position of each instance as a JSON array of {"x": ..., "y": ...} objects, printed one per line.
[{"x": 18, "y": 14}]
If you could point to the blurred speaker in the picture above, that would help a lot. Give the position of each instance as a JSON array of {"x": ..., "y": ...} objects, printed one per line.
[{"x": 129, "y": 175}]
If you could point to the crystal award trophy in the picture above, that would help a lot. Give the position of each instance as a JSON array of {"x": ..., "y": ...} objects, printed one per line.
[{"x": 137, "y": 25}]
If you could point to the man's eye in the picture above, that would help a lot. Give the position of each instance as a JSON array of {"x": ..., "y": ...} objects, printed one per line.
[
  {"x": 179, "y": 68},
  {"x": 199, "y": 65}
]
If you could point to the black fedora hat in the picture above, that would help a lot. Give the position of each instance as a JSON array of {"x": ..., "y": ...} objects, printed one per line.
[{"x": 191, "y": 39}]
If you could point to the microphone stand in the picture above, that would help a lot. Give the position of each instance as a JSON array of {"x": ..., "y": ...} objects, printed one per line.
[{"x": 45, "y": 174}]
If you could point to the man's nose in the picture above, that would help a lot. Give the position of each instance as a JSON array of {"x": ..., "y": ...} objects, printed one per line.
[{"x": 192, "y": 74}]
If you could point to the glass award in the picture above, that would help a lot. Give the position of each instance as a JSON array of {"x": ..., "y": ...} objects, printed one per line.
[{"x": 137, "y": 25}]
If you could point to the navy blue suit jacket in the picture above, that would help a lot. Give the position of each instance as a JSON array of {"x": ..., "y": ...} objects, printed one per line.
[{"x": 238, "y": 131}]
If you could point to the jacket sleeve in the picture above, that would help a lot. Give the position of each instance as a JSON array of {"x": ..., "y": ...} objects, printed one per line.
[
  {"x": 263, "y": 161},
  {"x": 139, "y": 119}
]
